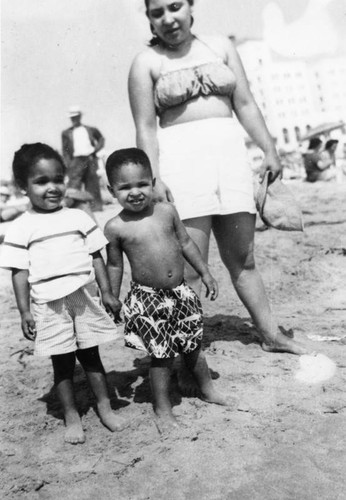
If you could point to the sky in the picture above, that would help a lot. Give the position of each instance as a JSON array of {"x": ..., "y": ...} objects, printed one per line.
[{"x": 58, "y": 53}]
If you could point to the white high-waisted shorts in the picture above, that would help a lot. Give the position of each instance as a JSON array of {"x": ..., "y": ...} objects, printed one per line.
[{"x": 205, "y": 165}]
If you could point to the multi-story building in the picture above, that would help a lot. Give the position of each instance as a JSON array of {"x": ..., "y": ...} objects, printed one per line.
[{"x": 294, "y": 95}]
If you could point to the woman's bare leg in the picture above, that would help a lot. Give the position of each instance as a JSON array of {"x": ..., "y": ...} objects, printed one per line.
[
  {"x": 199, "y": 230},
  {"x": 234, "y": 234}
]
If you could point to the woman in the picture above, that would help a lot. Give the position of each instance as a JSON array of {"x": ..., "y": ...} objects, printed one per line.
[{"x": 193, "y": 85}]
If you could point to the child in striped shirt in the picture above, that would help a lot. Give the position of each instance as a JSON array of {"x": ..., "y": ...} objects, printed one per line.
[{"x": 58, "y": 274}]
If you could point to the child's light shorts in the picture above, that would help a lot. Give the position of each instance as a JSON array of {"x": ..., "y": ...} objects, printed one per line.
[{"x": 77, "y": 321}]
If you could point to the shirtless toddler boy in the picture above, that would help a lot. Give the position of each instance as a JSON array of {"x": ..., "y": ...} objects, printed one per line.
[{"x": 163, "y": 316}]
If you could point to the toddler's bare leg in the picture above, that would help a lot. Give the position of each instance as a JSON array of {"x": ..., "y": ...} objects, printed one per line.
[
  {"x": 160, "y": 374},
  {"x": 92, "y": 364},
  {"x": 63, "y": 365},
  {"x": 186, "y": 381},
  {"x": 197, "y": 364}
]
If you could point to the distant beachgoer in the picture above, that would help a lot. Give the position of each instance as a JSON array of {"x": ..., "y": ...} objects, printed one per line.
[
  {"x": 341, "y": 163},
  {"x": 317, "y": 163},
  {"x": 163, "y": 315},
  {"x": 80, "y": 143},
  {"x": 54, "y": 255},
  {"x": 11, "y": 207},
  {"x": 328, "y": 154}
]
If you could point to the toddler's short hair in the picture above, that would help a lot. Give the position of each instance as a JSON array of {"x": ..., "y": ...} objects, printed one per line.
[
  {"x": 27, "y": 156},
  {"x": 125, "y": 156}
]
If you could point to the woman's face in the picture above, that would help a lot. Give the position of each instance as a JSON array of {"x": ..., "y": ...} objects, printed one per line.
[{"x": 171, "y": 20}]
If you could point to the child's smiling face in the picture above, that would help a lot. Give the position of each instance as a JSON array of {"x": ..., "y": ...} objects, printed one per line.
[
  {"x": 45, "y": 185},
  {"x": 133, "y": 187}
]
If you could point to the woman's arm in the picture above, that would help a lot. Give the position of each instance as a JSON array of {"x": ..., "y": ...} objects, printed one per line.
[
  {"x": 250, "y": 116},
  {"x": 141, "y": 94},
  {"x": 22, "y": 292}
]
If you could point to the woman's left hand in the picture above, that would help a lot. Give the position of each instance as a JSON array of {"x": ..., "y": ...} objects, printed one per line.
[{"x": 272, "y": 164}]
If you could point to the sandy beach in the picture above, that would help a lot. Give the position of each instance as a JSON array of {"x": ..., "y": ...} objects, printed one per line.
[{"x": 285, "y": 436}]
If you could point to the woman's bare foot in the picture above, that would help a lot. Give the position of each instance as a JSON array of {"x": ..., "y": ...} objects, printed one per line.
[
  {"x": 74, "y": 433},
  {"x": 109, "y": 419},
  {"x": 282, "y": 343}
]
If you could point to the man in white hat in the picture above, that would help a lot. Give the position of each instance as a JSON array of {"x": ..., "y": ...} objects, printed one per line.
[{"x": 80, "y": 143}]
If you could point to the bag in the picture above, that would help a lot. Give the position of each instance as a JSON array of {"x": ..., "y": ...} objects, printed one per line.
[{"x": 277, "y": 207}]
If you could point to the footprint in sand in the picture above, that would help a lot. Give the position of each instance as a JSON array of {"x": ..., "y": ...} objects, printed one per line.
[{"x": 315, "y": 369}]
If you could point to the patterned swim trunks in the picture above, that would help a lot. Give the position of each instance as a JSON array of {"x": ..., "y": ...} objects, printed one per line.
[{"x": 163, "y": 323}]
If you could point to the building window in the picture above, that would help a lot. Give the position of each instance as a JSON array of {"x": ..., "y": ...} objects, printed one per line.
[
  {"x": 297, "y": 132},
  {"x": 286, "y": 135}
]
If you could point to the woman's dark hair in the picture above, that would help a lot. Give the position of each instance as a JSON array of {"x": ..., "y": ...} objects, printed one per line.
[
  {"x": 155, "y": 40},
  {"x": 330, "y": 143},
  {"x": 125, "y": 156},
  {"x": 27, "y": 156},
  {"x": 147, "y": 2},
  {"x": 314, "y": 143}
]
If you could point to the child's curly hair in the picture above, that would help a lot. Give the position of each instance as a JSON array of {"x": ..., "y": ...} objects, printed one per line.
[{"x": 27, "y": 156}]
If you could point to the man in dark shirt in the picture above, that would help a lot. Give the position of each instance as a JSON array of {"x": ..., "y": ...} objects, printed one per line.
[{"x": 80, "y": 143}]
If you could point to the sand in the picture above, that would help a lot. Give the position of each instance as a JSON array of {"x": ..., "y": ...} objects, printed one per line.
[{"x": 285, "y": 437}]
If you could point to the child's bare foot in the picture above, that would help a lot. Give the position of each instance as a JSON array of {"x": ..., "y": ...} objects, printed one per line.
[
  {"x": 215, "y": 397},
  {"x": 165, "y": 421},
  {"x": 74, "y": 431},
  {"x": 282, "y": 343},
  {"x": 109, "y": 419}
]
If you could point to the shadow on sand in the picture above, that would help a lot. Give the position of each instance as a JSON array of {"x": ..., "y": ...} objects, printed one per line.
[{"x": 134, "y": 384}]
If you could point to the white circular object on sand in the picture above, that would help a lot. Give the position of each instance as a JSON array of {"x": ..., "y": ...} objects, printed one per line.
[{"x": 315, "y": 369}]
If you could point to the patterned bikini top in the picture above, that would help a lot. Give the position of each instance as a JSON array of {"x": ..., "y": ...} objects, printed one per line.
[{"x": 178, "y": 86}]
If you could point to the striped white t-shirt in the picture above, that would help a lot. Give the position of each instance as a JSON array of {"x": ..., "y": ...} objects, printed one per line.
[{"x": 55, "y": 247}]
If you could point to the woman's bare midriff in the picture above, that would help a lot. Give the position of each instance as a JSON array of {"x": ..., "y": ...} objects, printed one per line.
[{"x": 200, "y": 108}]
